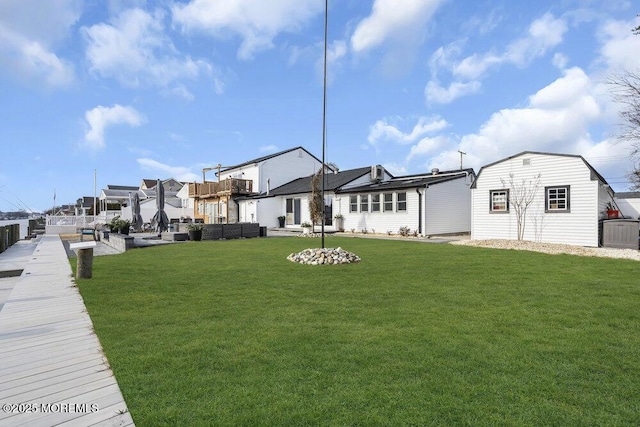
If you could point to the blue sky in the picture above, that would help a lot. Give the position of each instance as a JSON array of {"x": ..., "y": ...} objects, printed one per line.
[{"x": 159, "y": 89}]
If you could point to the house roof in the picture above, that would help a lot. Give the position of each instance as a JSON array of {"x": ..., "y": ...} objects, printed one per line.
[
  {"x": 332, "y": 181},
  {"x": 121, "y": 187},
  {"x": 409, "y": 181},
  {"x": 628, "y": 195},
  {"x": 86, "y": 201},
  {"x": 270, "y": 156},
  {"x": 594, "y": 173}
]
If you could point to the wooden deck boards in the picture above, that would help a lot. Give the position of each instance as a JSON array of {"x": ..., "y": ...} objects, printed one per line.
[{"x": 52, "y": 369}]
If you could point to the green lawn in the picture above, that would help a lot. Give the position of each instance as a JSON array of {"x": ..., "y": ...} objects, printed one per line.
[{"x": 231, "y": 333}]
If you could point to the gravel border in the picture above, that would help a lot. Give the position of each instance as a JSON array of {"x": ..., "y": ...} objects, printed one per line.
[{"x": 552, "y": 248}]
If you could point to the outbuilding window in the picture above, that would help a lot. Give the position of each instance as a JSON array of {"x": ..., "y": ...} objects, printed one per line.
[
  {"x": 499, "y": 200},
  {"x": 557, "y": 199}
]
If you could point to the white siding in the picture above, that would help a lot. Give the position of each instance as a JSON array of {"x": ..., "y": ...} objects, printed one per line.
[
  {"x": 577, "y": 227},
  {"x": 379, "y": 222},
  {"x": 629, "y": 208},
  {"x": 448, "y": 207},
  {"x": 285, "y": 168},
  {"x": 276, "y": 170}
]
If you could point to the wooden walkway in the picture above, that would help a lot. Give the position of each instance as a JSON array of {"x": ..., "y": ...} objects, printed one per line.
[{"x": 52, "y": 368}]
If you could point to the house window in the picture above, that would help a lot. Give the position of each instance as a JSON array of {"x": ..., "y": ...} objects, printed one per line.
[
  {"x": 353, "y": 203},
  {"x": 388, "y": 202},
  {"x": 499, "y": 200},
  {"x": 556, "y": 199},
  {"x": 364, "y": 203},
  {"x": 375, "y": 203},
  {"x": 401, "y": 203}
]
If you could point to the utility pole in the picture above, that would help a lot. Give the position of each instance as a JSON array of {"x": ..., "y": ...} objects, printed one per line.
[{"x": 462, "y": 153}]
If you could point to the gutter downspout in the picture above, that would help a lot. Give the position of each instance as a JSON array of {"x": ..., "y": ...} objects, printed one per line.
[{"x": 420, "y": 208}]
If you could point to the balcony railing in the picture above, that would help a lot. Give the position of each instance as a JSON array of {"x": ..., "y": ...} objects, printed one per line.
[{"x": 230, "y": 186}]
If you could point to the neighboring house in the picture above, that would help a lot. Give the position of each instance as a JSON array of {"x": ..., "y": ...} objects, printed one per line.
[
  {"x": 291, "y": 200},
  {"x": 85, "y": 206},
  {"x": 111, "y": 200},
  {"x": 629, "y": 204},
  {"x": 424, "y": 204},
  {"x": 115, "y": 200},
  {"x": 571, "y": 198},
  {"x": 218, "y": 201}
]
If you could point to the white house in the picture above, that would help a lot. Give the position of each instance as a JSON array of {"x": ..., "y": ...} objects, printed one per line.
[
  {"x": 220, "y": 202},
  {"x": 116, "y": 200},
  {"x": 628, "y": 203},
  {"x": 568, "y": 199},
  {"x": 371, "y": 199},
  {"x": 291, "y": 200},
  {"x": 426, "y": 204}
]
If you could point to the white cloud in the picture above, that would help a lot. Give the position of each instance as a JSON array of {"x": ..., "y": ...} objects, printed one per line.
[
  {"x": 268, "y": 148},
  {"x": 181, "y": 173},
  {"x": 393, "y": 20},
  {"x": 257, "y": 22},
  {"x": 427, "y": 146},
  {"x": 47, "y": 22},
  {"x": 440, "y": 95},
  {"x": 557, "y": 119},
  {"x": 28, "y": 39},
  {"x": 618, "y": 41},
  {"x": 444, "y": 57},
  {"x": 180, "y": 91},
  {"x": 135, "y": 51},
  {"x": 560, "y": 60},
  {"x": 396, "y": 169},
  {"x": 102, "y": 117},
  {"x": 544, "y": 34},
  {"x": 475, "y": 66},
  {"x": 382, "y": 131}
]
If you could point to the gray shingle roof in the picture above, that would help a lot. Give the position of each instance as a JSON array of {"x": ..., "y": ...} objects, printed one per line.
[
  {"x": 411, "y": 181},
  {"x": 332, "y": 181}
]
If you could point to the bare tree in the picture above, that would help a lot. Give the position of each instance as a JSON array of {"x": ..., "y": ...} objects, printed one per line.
[
  {"x": 315, "y": 201},
  {"x": 625, "y": 90},
  {"x": 521, "y": 195},
  {"x": 634, "y": 177}
]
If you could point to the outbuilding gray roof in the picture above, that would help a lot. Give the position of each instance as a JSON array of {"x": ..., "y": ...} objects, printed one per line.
[{"x": 595, "y": 175}]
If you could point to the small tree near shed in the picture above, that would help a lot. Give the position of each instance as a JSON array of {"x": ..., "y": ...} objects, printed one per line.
[{"x": 521, "y": 195}]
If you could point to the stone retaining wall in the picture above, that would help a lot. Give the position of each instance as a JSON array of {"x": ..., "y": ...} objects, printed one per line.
[{"x": 119, "y": 242}]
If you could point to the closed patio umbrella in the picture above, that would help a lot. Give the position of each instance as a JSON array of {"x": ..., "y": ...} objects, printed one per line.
[
  {"x": 136, "y": 221},
  {"x": 160, "y": 220}
]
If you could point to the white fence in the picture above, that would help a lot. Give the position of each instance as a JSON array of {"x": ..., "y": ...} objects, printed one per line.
[{"x": 61, "y": 224}]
